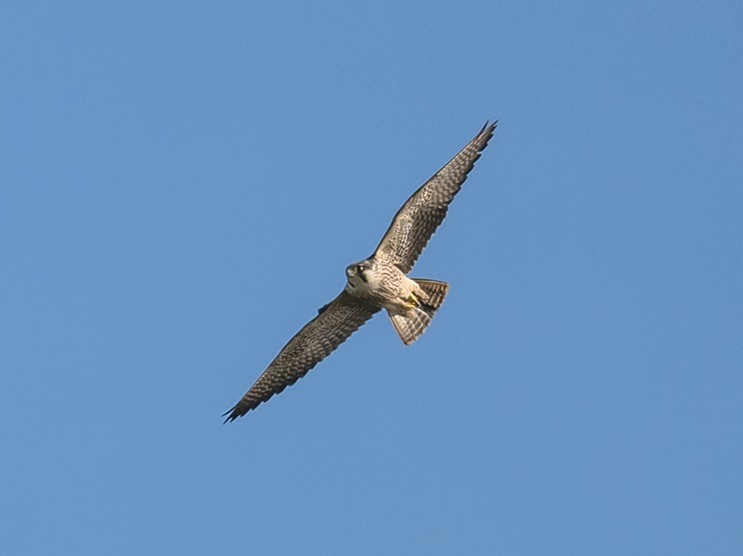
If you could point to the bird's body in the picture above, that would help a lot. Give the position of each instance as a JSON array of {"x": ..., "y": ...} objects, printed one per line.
[
  {"x": 383, "y": 284},
  {"x": 376, "y": 283}
]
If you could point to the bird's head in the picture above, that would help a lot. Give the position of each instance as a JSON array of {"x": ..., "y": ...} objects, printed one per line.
[{"x": 355, "y": 272}]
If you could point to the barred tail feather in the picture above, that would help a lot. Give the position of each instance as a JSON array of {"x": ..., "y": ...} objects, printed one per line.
[
  {"x": 410, "y": 326},
  {"x": 435, "y": 290}
]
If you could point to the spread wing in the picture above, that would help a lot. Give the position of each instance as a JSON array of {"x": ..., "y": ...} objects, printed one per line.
[
  {"x": 334, "y": 323},
  {"x": 425, "y": 210}
]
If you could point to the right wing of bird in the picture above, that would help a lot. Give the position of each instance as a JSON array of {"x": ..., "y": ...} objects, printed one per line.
[{"x": 425, "y": 210}]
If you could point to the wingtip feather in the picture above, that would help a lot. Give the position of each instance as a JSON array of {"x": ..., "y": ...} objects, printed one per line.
[
  {"x": 488, "y": 129},
  {"x": 231, "y": 415}
]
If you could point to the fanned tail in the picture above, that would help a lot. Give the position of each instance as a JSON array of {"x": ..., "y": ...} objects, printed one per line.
[
  {"x": 410, "y": 326},
  {"x": 435, "y": 290}
]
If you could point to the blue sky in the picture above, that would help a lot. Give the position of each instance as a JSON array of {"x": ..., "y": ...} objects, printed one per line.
[{"x": 183, "y": 184}]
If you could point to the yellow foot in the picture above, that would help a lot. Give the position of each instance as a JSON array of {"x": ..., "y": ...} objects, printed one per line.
[{"x": 412, "y": 301}]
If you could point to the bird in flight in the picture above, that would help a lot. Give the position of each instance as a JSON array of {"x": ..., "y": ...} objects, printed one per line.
[{"x": 378, "y": 282}]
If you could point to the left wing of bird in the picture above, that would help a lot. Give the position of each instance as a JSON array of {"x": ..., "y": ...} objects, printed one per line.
[{"x": 313, "y": 343}]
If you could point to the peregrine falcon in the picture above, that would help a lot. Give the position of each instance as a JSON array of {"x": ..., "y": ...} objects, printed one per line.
[{"x": 378, "y": 282}]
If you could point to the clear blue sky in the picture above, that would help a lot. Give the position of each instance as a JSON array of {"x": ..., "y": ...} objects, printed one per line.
[{"x": 183, "y": 184}]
